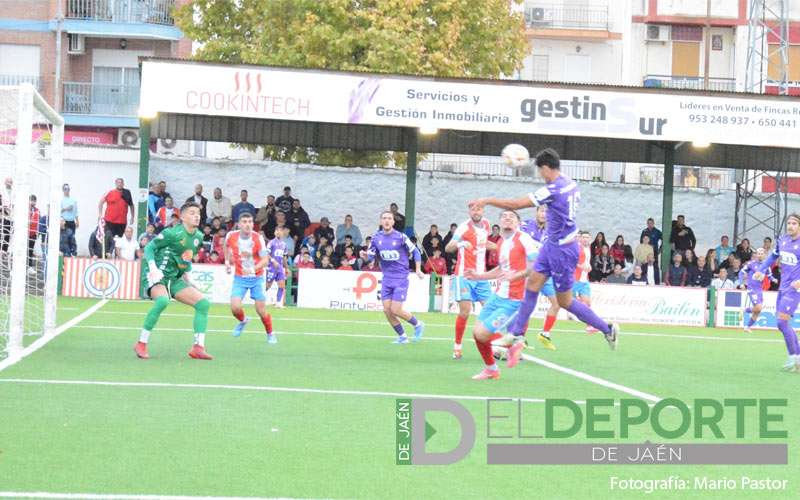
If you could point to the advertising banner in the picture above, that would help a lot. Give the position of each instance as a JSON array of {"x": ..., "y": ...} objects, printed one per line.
[
  {"x": 338, "y": 97},
  {"x": 354, "y": 290}
]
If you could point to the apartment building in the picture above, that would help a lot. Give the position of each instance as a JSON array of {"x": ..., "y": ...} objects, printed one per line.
[{"x": 82, "y": 56}]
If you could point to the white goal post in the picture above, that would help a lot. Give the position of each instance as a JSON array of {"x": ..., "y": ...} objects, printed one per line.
[{"x": 31, "y": 163}]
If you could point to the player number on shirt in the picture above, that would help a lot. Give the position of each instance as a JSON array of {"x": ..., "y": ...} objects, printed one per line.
[{"x": 572, "y": 201}]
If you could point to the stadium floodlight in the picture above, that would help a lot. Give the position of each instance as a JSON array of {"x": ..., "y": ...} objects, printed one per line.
[
  {"x": 428, "y": 130},
  {"x": 147, "y": 114}
]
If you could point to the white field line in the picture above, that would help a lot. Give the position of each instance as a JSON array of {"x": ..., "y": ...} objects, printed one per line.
[
  {"x": 451, "y": 325},
  {"x": 259, "y": 388},
  {"x": 109, "y": 496},
  {"x": 43, "y": 340},
  {"x": 547, "y": 364}
]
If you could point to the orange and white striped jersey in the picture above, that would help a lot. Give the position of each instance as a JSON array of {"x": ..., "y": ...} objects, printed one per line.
[
  {"x": 245, "y": 252},
  {"x": 516, "y": 253},
  {"x": 584, "y": 265},
  {"x": 477, "y": 235}
]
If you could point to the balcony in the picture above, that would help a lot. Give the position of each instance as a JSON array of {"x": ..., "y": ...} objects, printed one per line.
[
  {"x": 122, "y": 11},
  {"x": 94, "y": 99},
  {"x": 36, "y": 81},
  {"x": 592, "y": 16},
  {"x": 689, "y": 82},
  {"x": 148, "y": 19}
]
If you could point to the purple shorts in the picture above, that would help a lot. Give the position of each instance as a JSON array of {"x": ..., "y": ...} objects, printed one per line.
[
  {"x": 395, "y": 291},
  {"x": 756, "y": 296},
  {"x": 787, "y": 301},
  {"x": 558, "y": 262},
  {"x": 275, "y": 274}
]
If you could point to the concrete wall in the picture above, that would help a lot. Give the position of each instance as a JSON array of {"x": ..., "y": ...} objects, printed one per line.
[{"x": 335, "y": 192}]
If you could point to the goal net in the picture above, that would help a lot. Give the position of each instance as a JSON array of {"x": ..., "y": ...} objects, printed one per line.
[{"x": 31, "y": 147}]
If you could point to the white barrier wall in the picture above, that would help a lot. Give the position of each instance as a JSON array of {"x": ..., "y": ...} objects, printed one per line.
[
  {"x": 730, "y": 305},
  {"x": 354, "y": 290}
]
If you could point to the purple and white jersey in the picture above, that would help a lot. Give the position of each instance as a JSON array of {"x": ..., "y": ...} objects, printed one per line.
[
  {"x": 394, "y": 250},
  {"x": 538, "y": 234},
  {"x": 788, "y": 251},
  {"x": 277, "y": 250},
  {"x": 747, "y": 272},
  {"x": 561, "y": 197}
]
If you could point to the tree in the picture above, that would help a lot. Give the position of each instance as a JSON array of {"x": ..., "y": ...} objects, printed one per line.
[{"x": 447, "y": 38}]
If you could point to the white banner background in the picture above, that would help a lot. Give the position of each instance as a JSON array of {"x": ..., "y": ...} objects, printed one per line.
[
  {"x": 626, "y": 304},
  {"x": 354, "y": 290},
  {"x": 730, "y": 310},
  {"x": 216, "y": 284},
  {"x": 321, "y": 96}
]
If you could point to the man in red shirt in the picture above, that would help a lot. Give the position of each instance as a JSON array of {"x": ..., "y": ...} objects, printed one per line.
[
  {"x": 436, "y": 264},
  {"x": 33, "y": 231},
  {"x": 117, "y": 201}
]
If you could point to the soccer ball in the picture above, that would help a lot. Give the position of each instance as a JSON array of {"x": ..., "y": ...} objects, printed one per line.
[
  {"x": 516, "y": 156},
  {"x": 500, "y": 346}
]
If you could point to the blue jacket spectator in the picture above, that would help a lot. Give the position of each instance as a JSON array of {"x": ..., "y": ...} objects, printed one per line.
[
  {"x": 243, "y": 207},
  {"x": 652, "y": 232}
]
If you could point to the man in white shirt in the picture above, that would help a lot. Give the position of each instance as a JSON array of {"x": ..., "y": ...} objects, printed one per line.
[
  {"x": 125, "y": 246},
  {"x": 722, "y": 280},
  {"x": 220, "y": 206}
]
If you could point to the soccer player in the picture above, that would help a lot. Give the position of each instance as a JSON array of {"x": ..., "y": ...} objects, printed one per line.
[
  {"x": 535, "y": 228},
  {"x": 277, "y": 270},
  {"x": 517, "y": 251},
  {"x": 169, "y": 260},
  {"x": 242, "y": 248},
  {"x": 788, "y": 250},
  {"x": 581, "y": 289},
  {"x": 471, "y": 240},
  {"x": 393, "y": 248},
  {"x": 755, "y": 291},
  {"x": 559, "y": 254}
]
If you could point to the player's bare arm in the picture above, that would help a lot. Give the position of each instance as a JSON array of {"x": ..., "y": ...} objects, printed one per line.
[{"x": 505, "y": 204}]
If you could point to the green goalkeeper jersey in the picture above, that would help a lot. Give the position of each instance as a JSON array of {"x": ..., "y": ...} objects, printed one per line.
[{"x": 173, "y": 250}]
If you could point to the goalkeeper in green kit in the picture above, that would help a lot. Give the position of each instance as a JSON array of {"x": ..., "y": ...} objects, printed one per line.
[{"x": 169, "y": 259}]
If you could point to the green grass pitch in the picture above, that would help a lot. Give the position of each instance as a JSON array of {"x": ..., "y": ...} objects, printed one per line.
[{"x": 251, "y": 435}]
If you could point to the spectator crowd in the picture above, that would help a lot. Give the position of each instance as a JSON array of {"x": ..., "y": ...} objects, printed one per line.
[{"x": 319, "y": 245}]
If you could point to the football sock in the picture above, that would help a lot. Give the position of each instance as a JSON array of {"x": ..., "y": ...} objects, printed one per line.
[
  {"x": 585, "y": 314},
  {"x": 267, "y": 321},
  {"x": 239, "y": 315},
  {"x": 549, "y": 321},
  {"x": 485, "y": 348},
  {"x": 144, "y": 337},
  {"x": 524, "y": 313},
  {"x": 399, "y": 329},
  {"x": 789, "y": 337},
  {"x": 461, "y": 326},
  {"x": 155, "y": 311},
  {"x": 280, "y": 294},
  {"x": 200, "y": 322},
  {"x": 413, "y": 321}
]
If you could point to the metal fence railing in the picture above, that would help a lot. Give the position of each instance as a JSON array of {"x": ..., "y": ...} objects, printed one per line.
[
  {"x": 593, "y": 15},
  {"x": 122, "y": 11},
  {"x": 94, "y": 99},
  {"x": 36, "y": 81},
  {"x": 688, "y": 82},
  {"x": 700, "y": 177}
]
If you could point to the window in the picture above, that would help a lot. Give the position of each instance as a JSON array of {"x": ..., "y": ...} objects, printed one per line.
[
  {"x": 687, "y": 33},
  {"x": 20, "y": 64},
  {"x": 540, "y": 67}
]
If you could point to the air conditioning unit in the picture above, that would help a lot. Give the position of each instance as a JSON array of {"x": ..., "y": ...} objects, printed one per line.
[
  {"x": 657, "y": 33},
  {"x": 128, "y": 137},
  {"x": 174, "y": 147},
  {"x": 538, "y": 15},
  {"x": 77, "y": 44}
]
